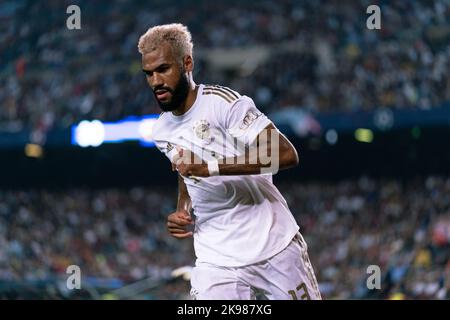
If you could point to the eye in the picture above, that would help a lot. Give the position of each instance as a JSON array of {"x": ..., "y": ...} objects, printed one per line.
[{"x": 163, "y": 69}]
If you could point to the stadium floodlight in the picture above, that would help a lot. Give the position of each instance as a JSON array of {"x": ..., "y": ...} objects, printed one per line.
[
  {"x": 331, "y": 136},
  {"x": 94, "y": 133},
  {"x": 89, "y": 133},
  {"x": 364, "y": 135},
  {"x": 146, "y": 128},
  {"x": 383, "y": 119},
  {"x": 33, "y": 150}
]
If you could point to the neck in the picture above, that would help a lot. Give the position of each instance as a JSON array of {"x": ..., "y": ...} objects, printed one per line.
[{"x": 190, "y": 99}]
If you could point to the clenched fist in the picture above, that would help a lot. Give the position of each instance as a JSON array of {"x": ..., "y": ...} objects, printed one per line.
[
  {"x": 178, "y": 224},
  {"x": 188, "y": 164}
]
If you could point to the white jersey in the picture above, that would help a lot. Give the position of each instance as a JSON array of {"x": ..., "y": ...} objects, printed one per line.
[{"x": 239, "y": 220}]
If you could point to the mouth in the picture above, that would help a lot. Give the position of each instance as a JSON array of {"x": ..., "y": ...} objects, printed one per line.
[{"x": 162, "y": 94}]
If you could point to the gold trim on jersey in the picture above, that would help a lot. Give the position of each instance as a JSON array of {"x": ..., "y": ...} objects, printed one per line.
[
  {"x": 217, "y": 93},
  {"x": 225, "y": 93},
  {"x": 232, "y": 92}
]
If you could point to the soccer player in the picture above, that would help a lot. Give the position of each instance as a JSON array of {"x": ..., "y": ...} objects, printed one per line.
[{"x": 247, "y": 242}]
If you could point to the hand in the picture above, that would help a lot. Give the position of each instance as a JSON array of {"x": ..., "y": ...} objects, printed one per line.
[
  {"x": 177, "y": 224},
  {"x": 188, "y": 164}
]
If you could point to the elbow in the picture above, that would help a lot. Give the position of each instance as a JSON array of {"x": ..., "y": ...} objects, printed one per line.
[
  {"x": 295, "y": 161},
  {"x": 291, "y": 159}
]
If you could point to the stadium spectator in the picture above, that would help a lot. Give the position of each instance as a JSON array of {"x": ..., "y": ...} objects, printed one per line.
[
  {"x": 403, "y": 228},
  {"x": 55, "y": 77}
]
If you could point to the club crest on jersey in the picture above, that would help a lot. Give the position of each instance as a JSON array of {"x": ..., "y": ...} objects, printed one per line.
[
  {"x": 202, "y": 131},
  {"x": 249, "y": 118}
]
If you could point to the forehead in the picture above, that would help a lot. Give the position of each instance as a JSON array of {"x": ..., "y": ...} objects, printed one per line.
[{"x": 162, "y": 54}]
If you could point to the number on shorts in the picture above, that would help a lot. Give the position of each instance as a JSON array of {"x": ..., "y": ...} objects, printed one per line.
[{"x": 304, "y": 296}]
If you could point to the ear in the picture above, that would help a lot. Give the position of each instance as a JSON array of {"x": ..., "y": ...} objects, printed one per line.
[{"x": 188, "y": 63}]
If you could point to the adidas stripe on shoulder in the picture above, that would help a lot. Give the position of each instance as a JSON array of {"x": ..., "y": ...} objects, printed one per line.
[{"x": 225, "y": 93}]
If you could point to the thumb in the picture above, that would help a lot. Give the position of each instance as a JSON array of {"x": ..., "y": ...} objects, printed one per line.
[
  {"x": 186, "y": 214},
  {"x": 180, "y": 151}
]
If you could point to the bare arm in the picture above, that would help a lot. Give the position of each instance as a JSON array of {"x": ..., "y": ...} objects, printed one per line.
[
  {"x": 272, "y": 152},
  {"x": 178, "y": 221},
  {"x": 263, "y": 155},
  {"x": 184, "y": 201}
]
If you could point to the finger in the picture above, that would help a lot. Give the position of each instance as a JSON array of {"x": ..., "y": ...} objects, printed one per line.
[
  {"x": 183, "y": 170},
  {"x": 178, "y": 230},
  {"x": 182, "y": 236},
  {"x": 175, "y": 160},
  {"x": 180, "y": 151},
  {"x": 185, "y": 215},
  {"x": 178, "y": 223},
  {"x": 179, "y": 162},
  {"x": 177, "y": 226}
]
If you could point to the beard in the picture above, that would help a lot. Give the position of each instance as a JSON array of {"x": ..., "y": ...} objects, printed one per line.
[{"x": 179, "y": 94}]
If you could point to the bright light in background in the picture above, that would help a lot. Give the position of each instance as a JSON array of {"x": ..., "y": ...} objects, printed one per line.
[
  {"x": 89, "y": 133},
  {"x": 33, "y": 150},
  {"x": 94, "y": 133},
  {"x": 146, "y": 129},
  {"x": 331, "y": 136},
  {"x": 384, "y": 118},
  {"x": 364, "y": 135}
]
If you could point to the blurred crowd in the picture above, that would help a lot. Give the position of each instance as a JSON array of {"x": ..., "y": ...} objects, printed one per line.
[
  {"x": 51, "y": 76},
  {"x": 110, "y": 233},
  {"x": 401, "y": 227}
]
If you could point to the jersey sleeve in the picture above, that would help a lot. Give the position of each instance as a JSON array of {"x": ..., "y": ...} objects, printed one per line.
[
  {"x": 167, "y": 148},
  {"x": 163, "y": 146},
  {"x": 244, "y": 121}
]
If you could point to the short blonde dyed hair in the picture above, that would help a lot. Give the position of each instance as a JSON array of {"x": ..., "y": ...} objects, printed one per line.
[{"x": 176, "y": 34}]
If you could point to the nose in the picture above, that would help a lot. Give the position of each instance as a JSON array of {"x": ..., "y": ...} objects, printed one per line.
[{"x": 155, "y": 80}]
